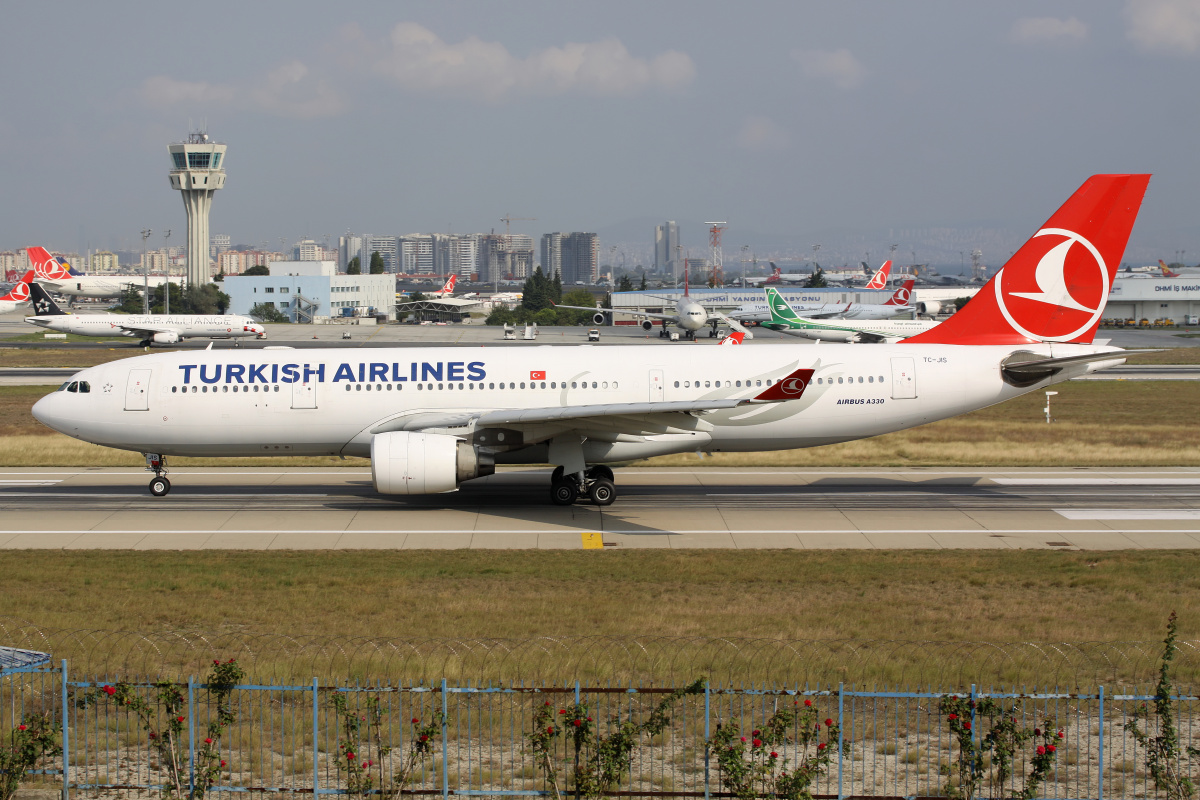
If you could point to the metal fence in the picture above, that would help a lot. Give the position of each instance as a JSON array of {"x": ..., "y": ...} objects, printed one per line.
[{"x": 892, "y": 743}]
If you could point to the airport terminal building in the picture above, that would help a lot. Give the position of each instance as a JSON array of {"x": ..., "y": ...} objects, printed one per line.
[
  {"x": 1176, "y": 299},
  {"x": 314, "y": 291}
]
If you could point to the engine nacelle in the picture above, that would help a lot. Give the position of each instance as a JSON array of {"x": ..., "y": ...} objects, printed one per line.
[
  {"x": 647, "y": 325},
  {"x": 598, "y": 318},
  {"x": 929, "y": 308},
  {"x": 424, "y": 463},
  {"x": 165, "y": 337}
]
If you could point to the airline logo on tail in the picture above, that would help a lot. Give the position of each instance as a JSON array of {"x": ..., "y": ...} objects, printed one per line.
[
  {"x": 1166, "y": 271},
  {"x": 46, "y": 266},
  {"x": 902, "y": 295},
  {"x": 20, "y": 292},
  {"x": 1071, "y": 266},
  {"x": 780, "y": 310},
  {"x": 449, "y": 287},
  {"x": 776, "y": 272},
  {"x": 733, "y": 337},
  {"x": 880, "y": 279}
]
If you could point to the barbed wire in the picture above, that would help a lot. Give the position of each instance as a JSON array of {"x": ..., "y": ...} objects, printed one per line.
[{"x": 595, "y": 660}]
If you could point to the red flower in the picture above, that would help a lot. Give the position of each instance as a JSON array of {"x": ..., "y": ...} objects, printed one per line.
[
  {"x": 589, "y": 719},
  {"x": 743, "y": 740},
  {"x": 208, "y": 741},
  {"x": 20, "y": 727},
  {"x": 370, "y": 763},
  {"x": 756, "y": 732},
  {"x": 547, "y": 702},
  {"x": 349, "y": 755},
  {"x": 1059, "y": 734},
  {"x": 217, "y": 661},
  {"x": 774, "y": 754},
  {"x": 821, "y": 746},
  {"x": 364, "y": 765},
  {"x": 967, "y": 726},
  {"x": 757, "y": 743},
  {"x": 562, "y": 711},
  {"x": 110, "y": 691},
  {"x": 1037, "y": 731},
  {"x": 952, "y": 717},
  {"x": 808, "y": 702},
  {"x": 415, "y": 720},
  {"x": 829, "y": 722},
  {"x": 230, "y": 661},
  {"x": 1041, "y": 751},
  {"x": 424, "y": 738},
  {"x": 153, "y": 735},
  {"x": 578, "y": 722},
  {"x": 1050, "y": 748},
  {"x": 180, "y": 719},
  {"x": 548, "y": 730},
  {"x": 222, "y": 763}
]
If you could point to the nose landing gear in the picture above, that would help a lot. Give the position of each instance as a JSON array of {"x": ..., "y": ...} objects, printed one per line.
[{"x": 157, "y": 464}]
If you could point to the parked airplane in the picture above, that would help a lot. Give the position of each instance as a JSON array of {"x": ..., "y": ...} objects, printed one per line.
[
  {"x": 57, "y": 276},
  {"x": 689, "y": 315},
  {"x": 448, "y": 289},
  {"x": 431, "y": 418},
  {"x": 896, "y": 304},
  {"x": 18, "y": 295},
  {"x": 785, "y": 320},
  {"x": 153, "y": 329},
  {"x": 1166, "y": 271}
]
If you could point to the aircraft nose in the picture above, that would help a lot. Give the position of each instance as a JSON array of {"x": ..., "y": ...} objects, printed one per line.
[{"x": 50, "y": 411}]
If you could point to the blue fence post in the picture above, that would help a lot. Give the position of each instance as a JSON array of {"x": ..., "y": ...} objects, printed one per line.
[
  {"x": 445, "y": 731},
  {"x": 707, "y": 715},
  {"x": 66, "y": 740},
  {"x": 191, "y": 735},
  {"x": 1100, "y": 781},
  {"x": 577, "y": 693},
  {"x": 316, "y": 734},
  {"x": 841, "y": 727},
  {"x": 972, "y": 713}
]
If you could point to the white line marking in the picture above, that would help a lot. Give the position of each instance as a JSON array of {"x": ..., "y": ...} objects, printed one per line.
[
  {"x": 1130, "y": 513},
  {"x": 1087, "y": 481},
  {"x": 1060, "y": 532},
  {"x": 31, "y": 483},
  {"x": 112, "y": 496}
]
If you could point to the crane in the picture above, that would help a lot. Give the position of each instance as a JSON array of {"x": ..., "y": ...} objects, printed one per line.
[{"x": 508, "y": 218}]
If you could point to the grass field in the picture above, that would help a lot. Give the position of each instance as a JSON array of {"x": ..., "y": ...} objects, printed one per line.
[
  {"x": 848, "y": 595},
  {"x": 1098, "y": 423}
]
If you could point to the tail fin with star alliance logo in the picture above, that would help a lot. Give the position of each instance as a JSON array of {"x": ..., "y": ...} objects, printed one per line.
[
  {"x": 1055, "y": 287},
  {"x": 43, "y": 304}
]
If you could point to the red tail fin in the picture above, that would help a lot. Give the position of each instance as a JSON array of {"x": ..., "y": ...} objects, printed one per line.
[
  {"x": 879, "y": 279},
  {"x": 449, "y": 287},
  {"x": 46, "y": 266},
  {"x": 20, "y": 292},
  {"x": 1055, "y": 287},
  {"x": 902, "y": 295},
  {"x": 1166, "y": 271}
]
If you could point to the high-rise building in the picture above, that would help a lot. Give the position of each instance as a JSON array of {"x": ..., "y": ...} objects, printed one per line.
[
  {"x": 307, "y": 250},
  {"x": 219, "y": 243},
  {"x": 575, "y": 256},
  {"x": 666, "y": 246},
  {"x": 350, "y": 247},
  {"x": 552, "y": 253},
  {"x": 197, "y": 172},
  {"x": 103, "y": 261},
  {"x": 388, "y": 249}
]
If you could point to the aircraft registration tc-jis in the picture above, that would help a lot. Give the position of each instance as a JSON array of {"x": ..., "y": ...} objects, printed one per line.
[
  {"x": 152, "y": 328},
  {"x": 431, "y": 418}
]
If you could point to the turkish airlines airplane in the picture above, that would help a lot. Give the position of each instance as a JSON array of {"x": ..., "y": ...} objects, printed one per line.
[
  {"x": 153, "y": 328},
  {"x": 898, "y": 303},
  {"x": 57, "y": 276},
  {"x": 878, "y": 280},
  {"x": 432, "y": 418},
  {"x": 18, "y": 295},
  {"x": 785, "y": 320}
]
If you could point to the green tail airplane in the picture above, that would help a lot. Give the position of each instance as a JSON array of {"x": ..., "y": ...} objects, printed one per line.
[{"x": 785, "y": 320}]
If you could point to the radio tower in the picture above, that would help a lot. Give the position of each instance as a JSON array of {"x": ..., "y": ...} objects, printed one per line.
[
  {"x": 718, "y": 256},
  {"x": 197, "y": 172}
]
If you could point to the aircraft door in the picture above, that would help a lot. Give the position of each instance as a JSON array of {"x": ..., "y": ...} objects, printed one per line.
[
  {"x": 137, "y": 390},
  {"x": 657, "y": 388},
  {"x": 304, "y": 395},
  {"x": 904, "y": 379}
]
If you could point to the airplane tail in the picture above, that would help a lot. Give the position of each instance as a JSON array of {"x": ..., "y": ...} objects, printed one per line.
[
  {"x": 733, "y": 337},
  {"x": 902, "y": 295},
  {"x": 1055, "y": 287},
  {"x": 1166, "y": 271},
  {"x": 781, "y": 312},
  {"x": 879, "y": 279},
  {"x": 43, "y": 303},
  {"x": 46, "y": 266},
  {"x": 20, "y": 292},
  {"x": 448, "y": 289},
  {"x": 776, "y": 273}
]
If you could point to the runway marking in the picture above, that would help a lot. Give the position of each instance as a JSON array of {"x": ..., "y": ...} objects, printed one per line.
[
  {"x": 30, "y": 483},
  {"x": 1087, "y": 481},
  {"x": 620, "y": 531},
  {"x": 593, "y": 540},
  {"x": 1130, "y": 513},
  {"x": 188, "y": 495}
]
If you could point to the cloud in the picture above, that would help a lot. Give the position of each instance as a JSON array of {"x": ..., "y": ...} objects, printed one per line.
[
  {"x": 838, "y": 66},
  {"x": 287, "y": 91},
  {"x": 761, "y": 134},
  {"x": 1170, "y": 26},
  {"x": 419, "y": 60},
  {"x": 1048, "y": 30}
]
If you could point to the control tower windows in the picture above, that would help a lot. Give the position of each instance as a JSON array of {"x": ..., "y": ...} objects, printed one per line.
[
  {"x": 216, "y": 163},
  {"x": 198, "y": 160},
  {"x": 180, "y": 163}
]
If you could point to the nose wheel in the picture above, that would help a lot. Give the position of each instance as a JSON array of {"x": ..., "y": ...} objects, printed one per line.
[{"x": 159, "y": 485}]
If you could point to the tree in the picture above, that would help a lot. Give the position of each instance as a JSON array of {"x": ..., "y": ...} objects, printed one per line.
[
  {"x": 416, "y": 297},
  {"x": 626, "y": 285},
  {"x": 556, "y": 288},
  {"x": 260, "y": 269},
  {"x": 267, "y": 312},
  {"x": 642, "y": 288},
  {"x": 536, "y": 294},
  {"x": 130, "y": 302},
  {"x": 354, "y": 267},
  {"x": 376, "y": 263},
  {"x": 220, "y": 276},
  {"x": 816, "y": 280}
]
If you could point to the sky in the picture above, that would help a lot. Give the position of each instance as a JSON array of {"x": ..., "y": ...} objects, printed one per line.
[{"x": 792, "y": 120}]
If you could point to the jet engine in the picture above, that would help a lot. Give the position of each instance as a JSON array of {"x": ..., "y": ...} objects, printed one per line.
[
  {"x": 598, "y": 318},
  {"x": 424, "y": 463},
  {"x": 929, "y": 308},
  {"x": 647, "y": 325},
  {"x": 165, "y": 337}
]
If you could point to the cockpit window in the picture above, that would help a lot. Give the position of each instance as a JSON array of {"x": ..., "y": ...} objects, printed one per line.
[
  {"x": 63, "y": 388},
  {"x": 73, "y": 386},
  {"x": 84, "y": 387}
]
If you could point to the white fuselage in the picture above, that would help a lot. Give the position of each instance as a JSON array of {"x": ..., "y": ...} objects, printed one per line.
[
  {"x": 7, "y": 306},
  {"x": 187, "y": 326},
  {"x": 332, "y": 402},
  {"x": 97, "y": 287},
  {"x": 835, "y": 330},
  {"x": 761, "y": 312}
]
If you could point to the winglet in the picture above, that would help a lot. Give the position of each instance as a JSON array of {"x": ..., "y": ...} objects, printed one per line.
[{"x": 790, "y": 388}]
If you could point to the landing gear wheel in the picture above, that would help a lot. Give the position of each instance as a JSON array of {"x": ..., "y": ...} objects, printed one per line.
[
  {"x": 556, "y": 476},
  {"x": 564, "y": 493},
  {"x": 602, "y": 492},
  {"x": 159, "y": 487},
  {"x": 601, "y": 471}
]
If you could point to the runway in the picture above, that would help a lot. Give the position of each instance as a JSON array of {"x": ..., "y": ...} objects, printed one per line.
[{"x": 678, "y": 508}]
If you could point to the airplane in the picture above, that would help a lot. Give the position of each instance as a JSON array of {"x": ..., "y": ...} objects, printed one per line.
[
  {"x": 689, "y": 315},
  {"x": 59, "y": 277},
  {"x": 430, "y": 419},
  {"x": 153, "y": 328},
  {"x": 880, "y": 278},
  {"x": 785, "y": 320},
  {"x": 1166, "y": 272},
  {"x": 898, "y": 303},
  {"x": 733, "y": 337},
  {"x": 448, "y": 289},
  {"x": 18, "y": 295}
]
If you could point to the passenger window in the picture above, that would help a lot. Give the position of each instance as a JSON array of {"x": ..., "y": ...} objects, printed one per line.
[
  {"x": 604, "y": 385},
  {"x": 193, "y": 390},
  {"x": 758, "y": 383},
  {"x": 860, "y": 380},
  {"x": 174, "y": 389},
  {"x": 870, "y": 379},
  {"x": 614, "y": 384},
  {"x": 522, "y": 384},
  {"x": 277, "y": 387},
  {"x": 839, "y": 380},
  {"x": 512, "y": 385},
  {"x": 676, "y": 384},
  {"x": 491, "y": 386},
  {"x": 707, "y": 384},
  {"x": 543, "y": 384},
  {"x": 204, "y": 389},
  {"x": 594, "y": 385},
  {"x": 686, "y": 384},
  {"x": 739, "y": 383},
  {"x": 347, "y": 387}
]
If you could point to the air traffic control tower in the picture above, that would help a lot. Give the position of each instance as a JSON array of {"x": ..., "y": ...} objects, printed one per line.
[{"x": 197, "y": 171}]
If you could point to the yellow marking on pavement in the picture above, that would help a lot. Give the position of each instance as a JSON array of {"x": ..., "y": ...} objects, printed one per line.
[{"x": 593, "y": 540}]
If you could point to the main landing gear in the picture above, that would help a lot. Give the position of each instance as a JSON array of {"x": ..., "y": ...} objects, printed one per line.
[
  {"x": 157, "y": 464},
  {"x": 596, "y": 483}
]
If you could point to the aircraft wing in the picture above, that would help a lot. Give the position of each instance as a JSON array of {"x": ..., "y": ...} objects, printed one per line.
[
  {"x": 634, "y": 419},
  {"x": 144, "y": 330},
  {"x": 646, "y": 314}
]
